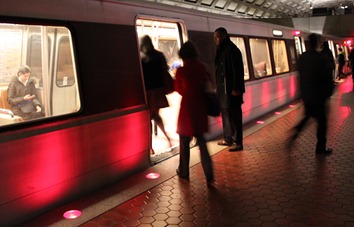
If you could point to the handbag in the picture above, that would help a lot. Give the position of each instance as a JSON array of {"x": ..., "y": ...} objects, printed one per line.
[
  {"x": 212, "y": 103},
  {"x": 27, "y": 107},
  {"x": 168, "y": 83}
]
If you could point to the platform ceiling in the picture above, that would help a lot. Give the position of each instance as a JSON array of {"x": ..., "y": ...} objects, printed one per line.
[{"x": 266, "y": 8}]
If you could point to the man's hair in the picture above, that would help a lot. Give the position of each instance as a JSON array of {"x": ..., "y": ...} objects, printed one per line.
[{"x": 222, "y": 31}]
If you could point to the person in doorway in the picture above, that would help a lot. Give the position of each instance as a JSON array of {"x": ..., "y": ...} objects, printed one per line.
[
  {"x": 341, "y": 63},
  {"x": 22, "y": 96},
  {"x": 316, "y": 86},
  {"x": 230, "y": 87},
  {"x": 190, "y": 83},
  {"x": 154, "y": 66}
]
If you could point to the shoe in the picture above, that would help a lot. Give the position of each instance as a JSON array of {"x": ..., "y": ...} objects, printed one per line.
[
  {"x": 324, "y": 151},
  {"x": 236, "y": 148},
  {"x": 184, "y": 177},
  {"x": 224, "y": 143}
]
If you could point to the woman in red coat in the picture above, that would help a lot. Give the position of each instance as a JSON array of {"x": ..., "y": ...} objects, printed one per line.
[{"x": 190, "y": 83}]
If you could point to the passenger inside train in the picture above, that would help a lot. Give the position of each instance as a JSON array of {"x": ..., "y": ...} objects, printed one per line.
[{"x": 22, "y": 95}]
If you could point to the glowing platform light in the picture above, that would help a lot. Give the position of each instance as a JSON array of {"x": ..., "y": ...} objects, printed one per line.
[
  {"x": 291, "y": 106},
  {"x": 152, "y": 175},
  {"x": 277, "y": 113},
  {"x": 260, "y": 122},
  {"x": 72, "y": 214}
]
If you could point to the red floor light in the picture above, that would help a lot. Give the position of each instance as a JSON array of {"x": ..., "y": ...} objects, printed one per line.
[
  {"x": 152, "y": 175},
  {"x": 291, "y": 106},
  {"x": 72, "y": 214},
  {"x": 277, "y": 113},
  {"x": 260, "y": 122}
]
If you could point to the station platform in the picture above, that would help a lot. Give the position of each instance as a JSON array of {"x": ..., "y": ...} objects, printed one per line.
[{"x": 266, "y": 184}]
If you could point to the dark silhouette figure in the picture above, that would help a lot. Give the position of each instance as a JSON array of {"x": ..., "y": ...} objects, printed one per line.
[
  {"x": 327, "y": 53},
  {"x": 341, "y": 63},
  {"x": 230, "y": 87},
  {"x": 154, "y": 66},
  {"x": 351, "y": 60},
  {"x": 316, "y": 87}
]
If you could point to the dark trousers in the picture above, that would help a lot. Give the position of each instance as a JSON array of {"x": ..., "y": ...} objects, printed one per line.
[
  {"x": 232, "y": 124},
  {"x": 340, "y": 71},
  {"x": 184, "y": 157},
  {"x": 319, "y": 111}
]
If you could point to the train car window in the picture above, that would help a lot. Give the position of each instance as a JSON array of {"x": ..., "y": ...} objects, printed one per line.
[
  {"x": 38, "y": 60},
  {"x": 260, "y": 57},
  {"x": 280, "y": 56},
  {"x": 240, "y": 43}
]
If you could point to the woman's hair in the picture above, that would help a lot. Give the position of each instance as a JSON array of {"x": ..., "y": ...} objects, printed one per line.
[
  {"x": 188, "y": 51},
  {"x": 146, "y": 45},
  {"x": 23, "y": 70}
]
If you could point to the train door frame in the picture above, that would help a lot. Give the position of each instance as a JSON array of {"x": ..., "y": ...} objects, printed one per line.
[{"x": 174, "y": 98}]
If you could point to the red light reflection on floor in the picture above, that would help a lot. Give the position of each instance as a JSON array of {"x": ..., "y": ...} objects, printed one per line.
[
  {"x": 260, "y": 122},
  {"x": 152, "y": 175},
  {"x": 277, "y": 113},
  {"x": 72, "y": 214}
]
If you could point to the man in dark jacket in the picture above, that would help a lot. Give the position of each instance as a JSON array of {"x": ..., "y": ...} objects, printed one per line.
[
  {"x": 316, "y": 86},
  {"x": 230, "y": 88}
]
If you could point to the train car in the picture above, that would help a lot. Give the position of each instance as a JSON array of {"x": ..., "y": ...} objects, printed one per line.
[{"x": 85, "y": 64}]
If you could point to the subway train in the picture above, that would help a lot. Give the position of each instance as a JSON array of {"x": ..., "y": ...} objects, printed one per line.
[{"x": 85, "y": 63}]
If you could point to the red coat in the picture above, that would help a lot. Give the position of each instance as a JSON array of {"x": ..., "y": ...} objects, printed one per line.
[{"x": 190, "y": 84}]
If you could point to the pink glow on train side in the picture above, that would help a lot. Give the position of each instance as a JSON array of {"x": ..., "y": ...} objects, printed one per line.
[
  {"x": 62, "y": 163},
  {"x": 247, "y": 105},
  {"x": 293, "y": 86},
  {"x": 280, "y": 90},
  {"x": 265, "y": 95}
]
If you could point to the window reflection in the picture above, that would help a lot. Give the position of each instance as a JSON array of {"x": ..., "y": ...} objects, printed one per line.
[
  {"x": 240, "y": 43},
  {"x": 260, "y": 57},
  {"x": 280, "y": 56}
]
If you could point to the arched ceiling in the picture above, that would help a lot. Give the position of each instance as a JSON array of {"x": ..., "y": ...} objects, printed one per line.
[{"x": 266, "y": 8}]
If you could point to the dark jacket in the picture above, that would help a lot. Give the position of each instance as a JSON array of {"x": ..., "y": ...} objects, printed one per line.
[
  {"x": 327, "y": 53},
  {"x": 154, "y": 66},
  {"x": 229, "y": 72},
  {"x": 341, "y": 59},
  {"x": 315, "y": 79}
]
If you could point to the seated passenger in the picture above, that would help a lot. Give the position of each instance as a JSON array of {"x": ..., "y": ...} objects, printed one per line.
[{"x": 21, "y": 95}]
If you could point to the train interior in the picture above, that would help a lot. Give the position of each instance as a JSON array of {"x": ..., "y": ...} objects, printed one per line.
[{"x": 52, "y": 65}]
